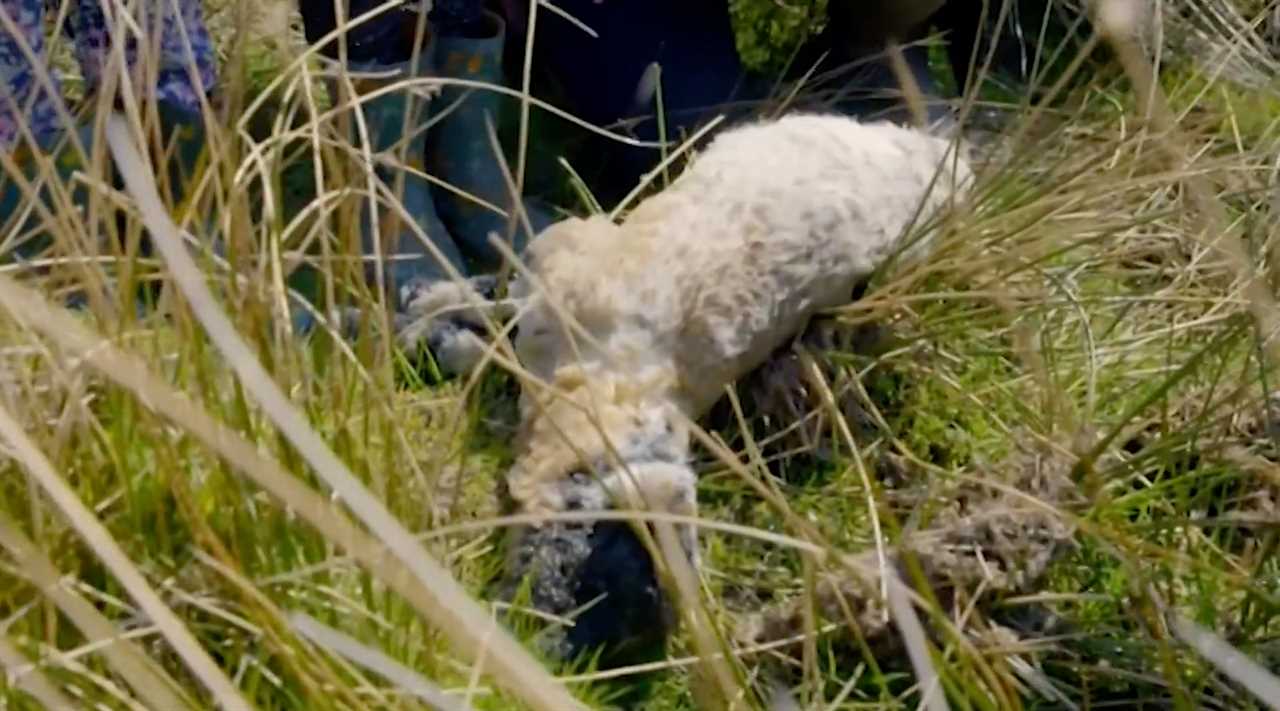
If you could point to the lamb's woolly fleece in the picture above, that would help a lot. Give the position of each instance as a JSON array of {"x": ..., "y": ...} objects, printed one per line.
[{"x": 773, "y": 222}]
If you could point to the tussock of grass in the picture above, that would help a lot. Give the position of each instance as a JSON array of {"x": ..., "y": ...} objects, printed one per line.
[{"x": 173, "y": 535}]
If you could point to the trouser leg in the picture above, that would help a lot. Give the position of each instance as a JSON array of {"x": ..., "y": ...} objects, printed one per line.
[
  {"x": 385, "y": 39},
  {"x": 26, "y": 98},
  {"x": 607, "y": 79},
  {"x": 185, "y": 65},
  {"x": 851, "y": 68},
  {"x": 187, "y": 69},
  {"x": 169, "y": 59},
  {"x": 460, "y": 19}
]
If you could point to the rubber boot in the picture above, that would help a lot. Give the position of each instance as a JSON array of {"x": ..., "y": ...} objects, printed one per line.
[
  {"x": 389, "y": 118},
  {"x": 460, "y": 153},
  {"x": 412, "y": 270},
  {"x": 182, "y": 135}
]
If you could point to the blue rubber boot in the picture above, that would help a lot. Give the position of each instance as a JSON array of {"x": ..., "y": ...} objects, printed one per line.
[
  {"x": 459, "y": 151},
  {"x": 23, "y": 229},
  {"x": 395, "y": 121},
  {"x": 182, "y": 136},
  {"x": 419, "y": 274}
]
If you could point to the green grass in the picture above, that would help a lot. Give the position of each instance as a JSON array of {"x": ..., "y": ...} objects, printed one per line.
[{"x": 1077, "y": 315}]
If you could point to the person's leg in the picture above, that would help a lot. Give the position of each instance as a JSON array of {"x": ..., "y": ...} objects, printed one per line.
[
  {"x": 386, "y": 38},
  {"x": 32, "y": 116},
  {"x": 460, "y": 18},
  {"x": 185, "y": 68},
  {"x": 469, "y": 47},
  {"x": 854, "y": 73},
  {"x": 186, "y": 77},
  {"x": 606, "y": 79},
  {"x": 90, "y": 28},
  {"x": 180, "y": 78},
  {"x": 385, "y": 44},
  {"x": 421, "y": 253},
  {"x": 978, "y": 29},
  {"x": 187, "y": 71},
  {"x": 864, "y": 24},
  {"x": 24, "y": 98}
]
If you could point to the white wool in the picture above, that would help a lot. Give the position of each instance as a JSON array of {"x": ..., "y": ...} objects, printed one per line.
[{"x": 773, "y": 222}]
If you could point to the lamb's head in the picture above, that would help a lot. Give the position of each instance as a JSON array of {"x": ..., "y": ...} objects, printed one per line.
[{"x": 599, "y": 445}]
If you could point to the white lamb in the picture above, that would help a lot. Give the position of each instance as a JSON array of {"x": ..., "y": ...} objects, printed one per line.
[{"x": 773, "y": 222}]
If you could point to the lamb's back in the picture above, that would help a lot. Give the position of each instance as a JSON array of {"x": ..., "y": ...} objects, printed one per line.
[{"x": 775, "y": 221}]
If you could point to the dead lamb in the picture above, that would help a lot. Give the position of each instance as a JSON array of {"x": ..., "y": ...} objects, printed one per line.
[{"x": 638, "y": 327}]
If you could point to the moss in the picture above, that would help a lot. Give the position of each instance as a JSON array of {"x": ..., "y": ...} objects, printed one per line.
[{"x": 770, "y": 31}]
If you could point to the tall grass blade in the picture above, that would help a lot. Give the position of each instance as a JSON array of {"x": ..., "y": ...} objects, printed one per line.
[
  {"x": 22, "y": 674},
  {"x": 1230, "y": 661}
]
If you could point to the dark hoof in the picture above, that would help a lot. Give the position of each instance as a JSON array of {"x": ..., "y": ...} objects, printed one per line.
[{"x": 628, "y": 615}]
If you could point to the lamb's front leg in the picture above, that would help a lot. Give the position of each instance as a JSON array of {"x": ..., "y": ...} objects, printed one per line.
[{"x": 449, "y": 319}]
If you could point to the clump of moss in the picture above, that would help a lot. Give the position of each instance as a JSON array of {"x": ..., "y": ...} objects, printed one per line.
[{"x": 770, "y": 31}]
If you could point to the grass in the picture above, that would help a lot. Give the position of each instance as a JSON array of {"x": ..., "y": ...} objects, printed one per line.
[{"x": 197, "y": 509}]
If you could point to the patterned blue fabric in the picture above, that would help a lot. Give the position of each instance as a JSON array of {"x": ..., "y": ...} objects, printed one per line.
[
  {"x": 183, "y": 45},
  {"x": 21, "y": 41}
]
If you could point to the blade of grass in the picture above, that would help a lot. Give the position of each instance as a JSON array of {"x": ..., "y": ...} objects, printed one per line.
[
  {"x": 131, "y": 373},
  {"x": 1119, "y": 20},
  {"x": 904, "y": 616},
  {"x": 705, "y": 640},
  {"x": 1229, "y": 660}
]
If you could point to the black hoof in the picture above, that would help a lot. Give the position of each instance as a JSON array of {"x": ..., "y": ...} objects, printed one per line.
[{"x": 629, "y": 615}]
